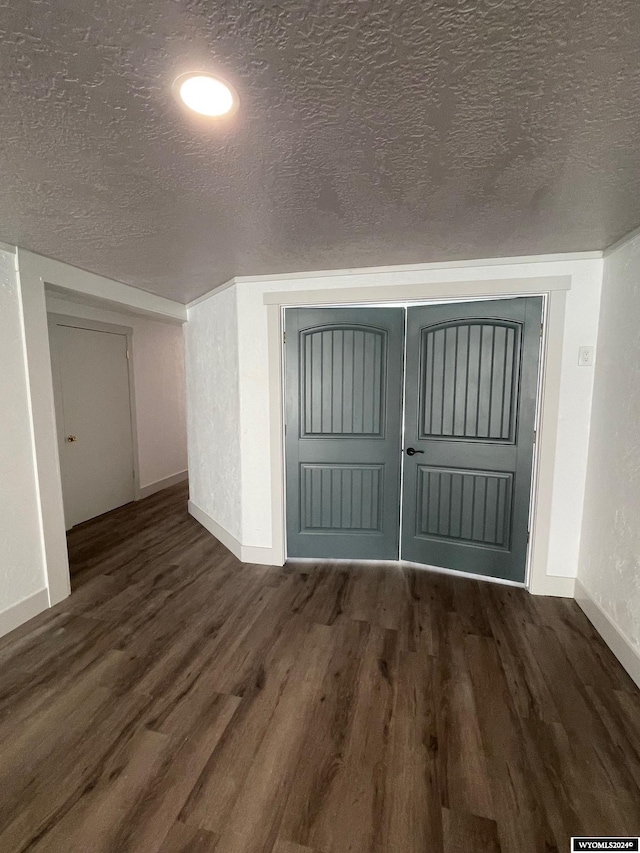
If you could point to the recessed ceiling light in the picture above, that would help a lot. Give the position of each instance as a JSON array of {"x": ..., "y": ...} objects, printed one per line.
[{"x": 206, "y": 94}]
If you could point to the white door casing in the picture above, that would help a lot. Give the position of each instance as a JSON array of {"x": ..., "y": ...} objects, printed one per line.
[{"x": 553, "y": 287}]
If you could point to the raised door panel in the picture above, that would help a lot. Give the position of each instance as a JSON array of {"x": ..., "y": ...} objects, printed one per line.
[
  {"x": 341, "y": 498},
  {"x": 469, "y": 381},
  {"x": 343, "y": 379},
  {"x": 471, "y": 507}
]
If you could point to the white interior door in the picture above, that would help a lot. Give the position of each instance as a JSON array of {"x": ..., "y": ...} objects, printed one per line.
[{"x": 93, "y": 412}]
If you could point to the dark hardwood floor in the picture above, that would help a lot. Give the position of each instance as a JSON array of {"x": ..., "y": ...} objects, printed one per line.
[{"x": 182, "y": 701}]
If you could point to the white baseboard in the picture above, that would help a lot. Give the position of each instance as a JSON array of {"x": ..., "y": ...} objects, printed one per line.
[
  {"x": 553, "y": 585},
  {"x": 245, "y": 553},
  {"x": 216, "y": 530},
  {"x": 619, "y": 643},
  {"x": 159, "y": 485},
  {"x": 261, "y": 556},
  {"x": 24, "y": 610}
]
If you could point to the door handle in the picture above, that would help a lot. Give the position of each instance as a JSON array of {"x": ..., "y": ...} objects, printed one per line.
[
  {"x": 411, "y": 451},
  {"x": 72, "y": 438}
]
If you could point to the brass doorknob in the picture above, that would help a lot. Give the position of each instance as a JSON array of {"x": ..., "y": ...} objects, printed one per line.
[{"x": 72, "y": 438}]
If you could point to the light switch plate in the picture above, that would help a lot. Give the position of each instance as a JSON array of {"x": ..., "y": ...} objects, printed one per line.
[{"x": 585, "y": 356}]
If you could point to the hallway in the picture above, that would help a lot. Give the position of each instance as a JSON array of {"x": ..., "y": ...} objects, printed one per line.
[{"x": 182, "y": 701}]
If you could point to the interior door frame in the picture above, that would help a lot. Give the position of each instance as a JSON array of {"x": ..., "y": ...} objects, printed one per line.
[
  {"x": 113, "y": 329},
  {"x": 553, "y": 289}
]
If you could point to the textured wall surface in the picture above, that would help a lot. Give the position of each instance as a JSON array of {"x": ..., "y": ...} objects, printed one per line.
[
  {"x": 21, "y": 564},
  {"x": 213, "y": 410},
  {"x": 610, "y": 549},
  {"x": 369, "y": 132},
  {"x": 158, "y": 372}
]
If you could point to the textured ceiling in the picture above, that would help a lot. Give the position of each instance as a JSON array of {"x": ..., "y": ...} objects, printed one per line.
[{"x": 369, "y": 132}]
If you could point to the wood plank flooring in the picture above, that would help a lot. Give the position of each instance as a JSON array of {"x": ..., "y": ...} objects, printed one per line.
[{"x": 182, "y": 701}]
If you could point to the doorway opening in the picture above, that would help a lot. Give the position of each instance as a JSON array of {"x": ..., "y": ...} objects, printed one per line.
[
  {"x": 95, "y": 416},
  {"x": 410, "y": 432}
]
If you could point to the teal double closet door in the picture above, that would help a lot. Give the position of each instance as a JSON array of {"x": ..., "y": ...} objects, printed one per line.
[{"x": 410, "y": 433}]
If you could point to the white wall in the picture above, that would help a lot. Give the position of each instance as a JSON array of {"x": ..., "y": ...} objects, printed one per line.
[
  {"x": 34, "y": 569},
  {"x": 213, "y": 411},
  {"x": 159, "y": 377},
  {"x": 22, "y": 577},
  {"x": 609, "y": 569},
  {"x": 251, "y": 491}
]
